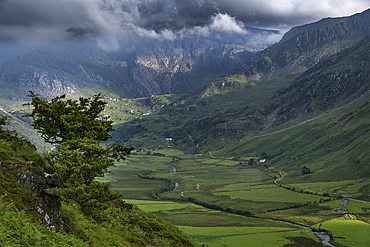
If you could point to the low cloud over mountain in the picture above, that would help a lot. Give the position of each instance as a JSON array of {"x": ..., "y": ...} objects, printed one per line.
[{"x": 45, "y": 21}]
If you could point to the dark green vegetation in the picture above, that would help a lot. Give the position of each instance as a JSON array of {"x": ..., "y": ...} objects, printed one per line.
[
  {"x": 285, "y": 136},
  {"x": 104, "y": 220},
  {"x": 17, "y": 230},
  {"x": 310, "y": 74},
  {"x": 301, "y": 106},
  {"x": 333, "y": 147},
  {"x": 78, "y": 158}
]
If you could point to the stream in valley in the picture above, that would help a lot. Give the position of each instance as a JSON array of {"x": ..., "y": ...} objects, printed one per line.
[
  {"x": 174, "y": 171},
  {"x": 323, "y": 235}
]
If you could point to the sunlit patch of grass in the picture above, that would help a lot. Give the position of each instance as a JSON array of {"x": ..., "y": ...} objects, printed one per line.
[
  {"x": 222, "y": 231},
  {"x": 323, "y": 187},
  {"x": 271, "y": 195},
  {"x": 278, "y": 239},
  {"x": 349, "y": 232}
]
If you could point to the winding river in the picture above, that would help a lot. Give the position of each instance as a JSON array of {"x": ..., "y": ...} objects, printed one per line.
[
  {"x": 174, "y": 171},
  {"x": 323, "y": 235}
]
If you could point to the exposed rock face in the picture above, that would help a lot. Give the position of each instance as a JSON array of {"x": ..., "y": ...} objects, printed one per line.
[
  {"x": 139, "y": 68},
  {"x": 47, "y": 205},
  {"x": 45, "y": 82}
]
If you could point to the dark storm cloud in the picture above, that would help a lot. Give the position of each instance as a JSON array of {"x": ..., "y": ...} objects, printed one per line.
[
  {"x": 291, "y": 12},
  {"x": 55, "y": 20},
  {"x": 269, "y": 13}
]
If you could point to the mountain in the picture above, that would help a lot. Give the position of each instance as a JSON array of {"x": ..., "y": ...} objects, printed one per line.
[
  {"x": 134, "y": 67},
  {"x": 305, "y": 49},
  {"x": 312, "y": 73},
  {"x": 316, "y": 25},
  {"x": 303, "y": 102}
]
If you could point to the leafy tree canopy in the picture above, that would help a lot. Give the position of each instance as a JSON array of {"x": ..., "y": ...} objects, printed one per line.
[
  {"x": 60, "y": 120},
  {"x": 77, "y": 128}
]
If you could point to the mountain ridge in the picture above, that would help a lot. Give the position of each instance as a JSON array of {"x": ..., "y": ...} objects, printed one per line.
[
  {"x": 137, "y": 68},
  {"x": 224, "y": 119}
]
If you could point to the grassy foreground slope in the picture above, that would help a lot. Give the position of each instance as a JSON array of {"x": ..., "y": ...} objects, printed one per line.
[{"x": 20, "y": 210}]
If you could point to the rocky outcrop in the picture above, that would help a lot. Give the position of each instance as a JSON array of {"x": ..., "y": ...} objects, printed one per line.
[
  {"x": 47, "y": 205},
  {"x": 139, "y": 68}
]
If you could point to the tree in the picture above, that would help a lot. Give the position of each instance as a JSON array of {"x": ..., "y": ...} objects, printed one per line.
[
  {"x": 306, "y": 170},
  {"x": 77, "y": 129},
  {"x": 62, "y": 120}
]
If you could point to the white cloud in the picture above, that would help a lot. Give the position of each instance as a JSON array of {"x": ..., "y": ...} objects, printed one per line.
[
  {"x": 221, "y": 23},
  {"x": 227, "y": 24}
]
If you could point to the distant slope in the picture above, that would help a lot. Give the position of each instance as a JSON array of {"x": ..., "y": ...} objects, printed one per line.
[
  {"x": 306, "y": 49},
  {"x": 336, "y": 81},
  {"x": 334, "y": 147},
  {"x": 297, "y": 80},
  {"x": 316, "y": 25},
  {"x": 26, "y": 131}
]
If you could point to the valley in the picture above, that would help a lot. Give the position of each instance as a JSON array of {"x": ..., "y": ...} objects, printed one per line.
[
  {"x": 210, "y": 204},
  {"x": 224, "y": 185},
  {"x": 234, "y": 142}
]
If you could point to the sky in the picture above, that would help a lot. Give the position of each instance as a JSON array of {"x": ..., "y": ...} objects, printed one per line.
[{"x": 46, "y": 21}]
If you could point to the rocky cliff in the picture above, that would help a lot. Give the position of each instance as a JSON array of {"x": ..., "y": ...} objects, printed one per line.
[
  {"x": 311, "y": 74},
  {"x": 23, "y": 181},
  {"x": 140, "y": 67}
]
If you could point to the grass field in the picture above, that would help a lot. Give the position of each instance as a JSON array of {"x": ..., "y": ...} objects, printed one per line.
[
  {"x": 249, "y": 236},
  {"x": 357, "y": 207},
  {"x": 331, "y": 204},
  {"x": 228, "y": 184},
  {"x": 245, "y": 186},
  {"x": 215, "y": 228},
  {"x": 124, "y": 176},
  {"x": 194, "y": 215},
  {"x": 357, "y": 189},
  {"x": 276, "y": 194},
  {"x": 353, "y": 207},
  {"x": 349, "y": 232},
  {"x": 198, "y": 232},
  {"x": 325, "y": 187}
]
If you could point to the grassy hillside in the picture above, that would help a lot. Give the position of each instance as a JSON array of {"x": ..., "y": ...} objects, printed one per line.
[
  {"x": 298, "y": 79},
  {"x": 232, "y": 109},
  {"x": 21, "y": 209},
  {"x": 334, "y": 147},
  {"x": 24, "y": 129}
]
